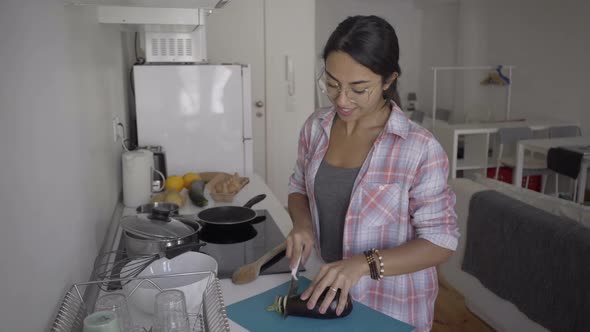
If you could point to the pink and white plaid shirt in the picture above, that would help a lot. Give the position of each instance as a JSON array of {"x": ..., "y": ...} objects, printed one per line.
[{"x": 400, "y": 194}]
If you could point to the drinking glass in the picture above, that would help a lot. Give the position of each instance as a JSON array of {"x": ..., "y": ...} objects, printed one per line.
[
  {"x": 170, "y": 312},
  {"x": 102, "y": 321},
  {"x": 118, "y": 304}
]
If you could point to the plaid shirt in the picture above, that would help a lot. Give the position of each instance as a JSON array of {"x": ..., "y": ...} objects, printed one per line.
[{"x": 400, "y": 194}]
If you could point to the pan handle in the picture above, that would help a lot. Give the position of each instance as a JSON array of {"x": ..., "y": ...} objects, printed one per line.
[
  {"x": 256, "y": 199},
  {"x": 257, "y": 220}
]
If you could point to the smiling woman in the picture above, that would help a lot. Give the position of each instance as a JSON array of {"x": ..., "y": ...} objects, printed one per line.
[
  {"x": 372, "y": 45},
  {"x": 369, "y": 188}
]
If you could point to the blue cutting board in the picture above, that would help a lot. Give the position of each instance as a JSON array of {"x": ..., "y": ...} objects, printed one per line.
[{"x": 251, "y": 314}]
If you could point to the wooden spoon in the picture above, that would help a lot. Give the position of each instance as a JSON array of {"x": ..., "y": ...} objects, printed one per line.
[{"x": 250, "y": 272}]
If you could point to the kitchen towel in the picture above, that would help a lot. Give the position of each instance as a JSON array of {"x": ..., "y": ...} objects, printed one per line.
[{"x": 251, "y": 314}]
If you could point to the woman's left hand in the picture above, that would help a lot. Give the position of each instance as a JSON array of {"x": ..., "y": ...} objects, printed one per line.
[{"x": 337, "y": 275}]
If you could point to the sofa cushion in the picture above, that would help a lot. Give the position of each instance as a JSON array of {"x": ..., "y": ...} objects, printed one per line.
[
  {"x": 547, "y": 203},
  {"x": 502, "y": 315},
  {"x": 531, "y": 257}
]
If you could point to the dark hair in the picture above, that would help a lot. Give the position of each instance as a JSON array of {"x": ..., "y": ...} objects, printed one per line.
[{"x": 372, "y": 42}]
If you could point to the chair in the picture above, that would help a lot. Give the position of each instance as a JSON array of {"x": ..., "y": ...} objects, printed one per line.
[
  {"x": 417, "y": 116},
  {"x": 560, "y": 132},
  {"x": 531, "y": 166},
  {"x": 564, "y": 131}
]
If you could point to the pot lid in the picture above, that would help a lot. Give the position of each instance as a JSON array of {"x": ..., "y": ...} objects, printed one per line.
[{"x": 147, "y": 226}]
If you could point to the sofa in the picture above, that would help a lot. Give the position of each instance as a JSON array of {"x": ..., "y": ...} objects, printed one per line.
[{"x": 499, "y": 313}]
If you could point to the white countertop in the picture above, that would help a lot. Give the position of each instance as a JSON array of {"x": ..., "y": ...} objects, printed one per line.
[{"x": 235, "y": 293}]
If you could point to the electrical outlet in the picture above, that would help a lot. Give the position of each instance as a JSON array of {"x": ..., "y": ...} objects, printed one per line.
[{"x": 115, "y": 128}]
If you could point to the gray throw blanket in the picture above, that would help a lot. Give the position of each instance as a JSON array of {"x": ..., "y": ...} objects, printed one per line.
[{"x": 538, "y": 261}]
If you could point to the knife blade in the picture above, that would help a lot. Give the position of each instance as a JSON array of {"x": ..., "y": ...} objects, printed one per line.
[{"x": 294, "y": 285}]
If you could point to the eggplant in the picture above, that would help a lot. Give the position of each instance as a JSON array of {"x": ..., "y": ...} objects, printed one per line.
[
  {"x": 293, "y": 305},
  {"x": 196, "y": 193}
]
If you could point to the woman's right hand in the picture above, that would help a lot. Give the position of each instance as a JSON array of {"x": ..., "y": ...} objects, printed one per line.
[{"x": 300, "y": 240}]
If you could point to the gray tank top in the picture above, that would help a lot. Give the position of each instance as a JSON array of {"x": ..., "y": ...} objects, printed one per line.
[{"x": 333, "y": 187}]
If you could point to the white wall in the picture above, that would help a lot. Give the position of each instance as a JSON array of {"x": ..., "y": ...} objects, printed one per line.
[
  {"x": 438, "y": 48},
  {"x": 290, "y": 30},
  {"x": 403, "y": 15},
  {"x": 547, "y": 40},
  {"x": 226, "y": 44},
  {"x": 61, "y": 81}
]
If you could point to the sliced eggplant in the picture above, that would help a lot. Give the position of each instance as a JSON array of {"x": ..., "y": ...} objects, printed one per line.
[{"x": 295, "y": 306}]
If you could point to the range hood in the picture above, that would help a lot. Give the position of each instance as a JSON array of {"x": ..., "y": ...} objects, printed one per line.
[
  {"x": 150, "y": 19},
  {"x": 156, "y": 15},
  {"x": 172, "y": 30},
  {"x": 205, "y": 4}
]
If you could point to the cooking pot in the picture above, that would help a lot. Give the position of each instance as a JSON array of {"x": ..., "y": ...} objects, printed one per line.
[
  {"x": 231, "y": 216},
  {"x": 153, "y": 233},
  {"x": 149, "y": 207}
]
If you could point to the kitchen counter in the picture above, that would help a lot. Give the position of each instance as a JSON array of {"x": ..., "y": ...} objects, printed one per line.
[{"x": 235, "y": 293}]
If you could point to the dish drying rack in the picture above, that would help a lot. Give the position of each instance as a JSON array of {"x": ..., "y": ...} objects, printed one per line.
[{"x": 211, "y": 316}]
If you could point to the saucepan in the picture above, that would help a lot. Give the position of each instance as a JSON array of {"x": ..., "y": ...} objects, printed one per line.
[
  {"x": 231, "y": 217},
  {"x": 153, "y": 233},
  {"x": 172, "y": 208}
]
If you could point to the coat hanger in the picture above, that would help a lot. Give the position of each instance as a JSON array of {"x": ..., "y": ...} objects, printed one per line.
[{"x": 496, "y": 78}]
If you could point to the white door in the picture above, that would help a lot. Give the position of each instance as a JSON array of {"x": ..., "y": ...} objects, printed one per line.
[{"x": 235, "y": 34}]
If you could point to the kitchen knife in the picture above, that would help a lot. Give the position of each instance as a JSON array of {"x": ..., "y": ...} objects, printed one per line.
[{"x": 294, "y": 285}]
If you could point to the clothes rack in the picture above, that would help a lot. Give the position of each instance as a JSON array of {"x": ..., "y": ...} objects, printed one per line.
[{"x": 436, "y": 69}]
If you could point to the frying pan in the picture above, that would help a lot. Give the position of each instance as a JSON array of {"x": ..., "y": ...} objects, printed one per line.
[{"x": 232, "y": 215}]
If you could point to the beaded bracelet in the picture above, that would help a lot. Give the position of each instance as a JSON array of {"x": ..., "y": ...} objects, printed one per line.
[
  {"x": 381, "y": 265},
  {"x": 370, "y": 260},
  {"x": 372, "y": 264}
]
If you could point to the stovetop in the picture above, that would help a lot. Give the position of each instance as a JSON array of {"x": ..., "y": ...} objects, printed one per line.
[
  {"x": 250, "y": 243},
  {"x": 256, "y": 240}
]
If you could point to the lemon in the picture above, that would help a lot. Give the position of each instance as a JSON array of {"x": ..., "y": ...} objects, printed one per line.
[
  {"x": 188, "y": 178},
  {"x": 174, "y": 182}
]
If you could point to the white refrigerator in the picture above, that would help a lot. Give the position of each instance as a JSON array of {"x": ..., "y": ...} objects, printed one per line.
[{"x": 199, "y": 114}]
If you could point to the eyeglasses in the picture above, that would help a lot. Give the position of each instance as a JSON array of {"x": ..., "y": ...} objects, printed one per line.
[{"x": 332, "y": 89}]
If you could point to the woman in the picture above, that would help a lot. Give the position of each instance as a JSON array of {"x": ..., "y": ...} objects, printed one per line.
[{"x": 367, "y": 178}]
